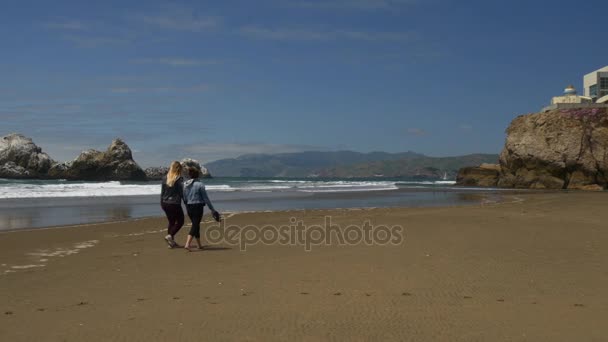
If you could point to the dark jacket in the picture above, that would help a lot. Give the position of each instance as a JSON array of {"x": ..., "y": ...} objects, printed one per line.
[
  {"x": 172, "y": 194},
  {"x": 195, "y": 193}
]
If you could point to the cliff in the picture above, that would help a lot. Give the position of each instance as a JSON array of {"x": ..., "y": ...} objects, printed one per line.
[{"x": 559, "y": 149}]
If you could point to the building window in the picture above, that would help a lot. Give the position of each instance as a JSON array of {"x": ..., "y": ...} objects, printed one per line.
[
  {"x": 593, "y": 90},
  {"x": 603, "y": 93},
  {"x": 604, "y": 83}
]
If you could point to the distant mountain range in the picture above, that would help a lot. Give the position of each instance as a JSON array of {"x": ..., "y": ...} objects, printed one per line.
[{"x": 345, "y": 164}]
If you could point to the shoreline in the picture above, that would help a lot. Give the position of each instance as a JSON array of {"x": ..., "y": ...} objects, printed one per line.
[{"x": 161, "y": 216}]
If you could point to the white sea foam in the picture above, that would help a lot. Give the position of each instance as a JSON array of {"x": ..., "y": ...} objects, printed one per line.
[
  {"x": 264, "y": 188},
  {"x": 75, "y": 189},
  {"x": 58, "y": 189},
  {"x": 219, "y": 187}
]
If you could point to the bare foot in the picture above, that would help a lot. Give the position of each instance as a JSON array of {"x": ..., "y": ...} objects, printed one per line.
[{"x": 187, "y": 248}]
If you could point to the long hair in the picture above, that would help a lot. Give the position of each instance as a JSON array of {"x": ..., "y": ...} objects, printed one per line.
[{"x": 175, "y": 171}]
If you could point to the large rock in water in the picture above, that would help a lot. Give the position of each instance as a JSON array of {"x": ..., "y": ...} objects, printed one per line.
[
  {"x": 116, "y": 163},
  {"x": 561, "y": 149},
  {"x": 157, "y": 173},
  {"x": 191, "y": 163},
  {"x": 21, "y": 158}
]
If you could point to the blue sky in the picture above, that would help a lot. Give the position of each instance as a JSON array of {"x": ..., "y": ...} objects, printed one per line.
[{"x": 215, "y": 79}]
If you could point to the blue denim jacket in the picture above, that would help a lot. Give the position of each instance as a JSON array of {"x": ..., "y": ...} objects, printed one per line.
[{"x": 195, "y": 193}]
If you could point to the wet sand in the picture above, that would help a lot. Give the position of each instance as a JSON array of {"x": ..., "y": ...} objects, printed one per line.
[
  {"x": 23, "y": 213},
  {"x": 531, "y": 269}
]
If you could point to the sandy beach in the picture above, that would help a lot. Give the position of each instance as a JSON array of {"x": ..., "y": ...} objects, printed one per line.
[{"x": 534, "y": 268}]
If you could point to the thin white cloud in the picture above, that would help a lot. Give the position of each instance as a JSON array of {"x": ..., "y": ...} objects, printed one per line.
[
  {"x": 465, "y": 127},
  {"x": 87, "y": 41},
  {"x": 237, "y": 149},
  {"x": 181, "y": 19},
  {"x": 418, "y": 132},
  {"x": 69, "y": 25},
  {"x": 93, "y": 33},
  {"x": 350, "y": 4},
  {"x": 208, "y": 151},
  {"x": 177, "y": 61},
  {"x": 307, "y": 34},
  {"x": 131, "y": 90}
]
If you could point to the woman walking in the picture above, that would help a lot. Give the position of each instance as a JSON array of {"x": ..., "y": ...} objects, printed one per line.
[
  {"x": 171, "y": 201},
  {"x": 195, "y": 197}
]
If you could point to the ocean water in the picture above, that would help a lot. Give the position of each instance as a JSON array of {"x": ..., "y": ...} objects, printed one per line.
[{"x": 36, "y": 203}]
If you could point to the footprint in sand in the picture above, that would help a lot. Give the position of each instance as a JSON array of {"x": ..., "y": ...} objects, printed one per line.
[
  {"x": 8, "y": 313},
  {"x": 40, "y": 309},
  {"x": 82, "y": 303},
  {"x": 579, "y": 305},
  {"x": 407, "y": 294},
  {"x": 337, "y": 294},
  {"x": 176, "y": 298},
  {"x": 141, "y": 299},
  {"x": 368, "y": 294},
  {"x": 304, "y": 293},
  {"x": 500, "y": 300},
  {"x": 467, "y": 297}
]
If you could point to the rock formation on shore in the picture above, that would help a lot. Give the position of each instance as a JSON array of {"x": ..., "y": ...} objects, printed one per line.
[
  {"x": 116, "y": 163},
  {"x": 191, "y": 163},
  {"x": 560, "y": 149},
  {"x": 156, "y": 173},
  {"x": 21, "y": 158},
  {"x": 482, "y": 175}
]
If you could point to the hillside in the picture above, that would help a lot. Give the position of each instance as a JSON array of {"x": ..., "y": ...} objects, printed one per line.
[{"x": 344, "y": 164}]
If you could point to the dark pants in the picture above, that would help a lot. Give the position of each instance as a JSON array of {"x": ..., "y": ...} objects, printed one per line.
[
  {"x": 195, "y": 212},
  {"x": 175, "y": 216}
]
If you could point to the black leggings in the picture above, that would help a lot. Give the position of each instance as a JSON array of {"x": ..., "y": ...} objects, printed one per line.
[
  {"x": 175, "y": 216},
  {"x": 195, "y": 212}
]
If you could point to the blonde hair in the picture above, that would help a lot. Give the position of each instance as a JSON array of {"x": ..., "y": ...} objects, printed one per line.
[{"x": 175, "y": 171}]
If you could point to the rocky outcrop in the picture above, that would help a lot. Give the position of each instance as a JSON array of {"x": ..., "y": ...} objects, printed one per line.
[
  {"x": 191, "y": 163},
  {"x": 58, "y": 170},
  {"x": 21, "y": 158},
  {"x": 559, "y": 149},
  {"x": 562, "y": 149},
  {"x": 483, "y": 175},
  {"x": 156, "y": 173},
  {"x": 14, "y": 171},
  {"x": 116, "y": 163}
]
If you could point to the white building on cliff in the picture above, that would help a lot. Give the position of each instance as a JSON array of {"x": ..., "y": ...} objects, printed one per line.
[
  {"x": 596, "y": 83},
  {"x": 595, "y": 93}
]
